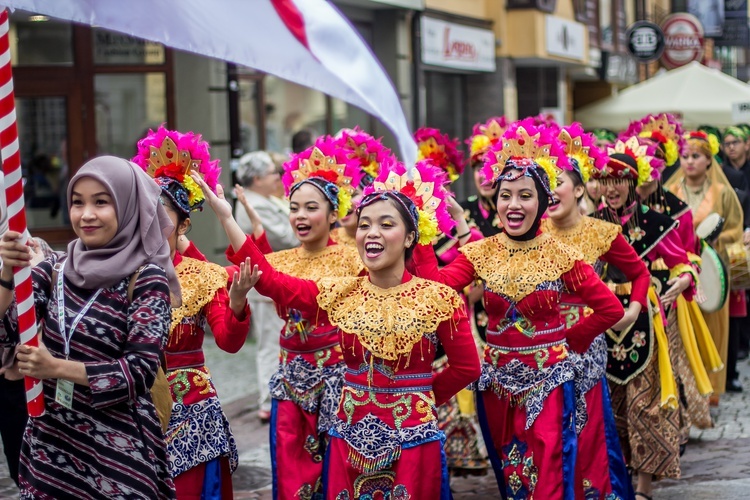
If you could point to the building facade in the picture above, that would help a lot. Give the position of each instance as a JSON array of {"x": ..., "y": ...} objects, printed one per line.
[{"x": 85, "y": 91}]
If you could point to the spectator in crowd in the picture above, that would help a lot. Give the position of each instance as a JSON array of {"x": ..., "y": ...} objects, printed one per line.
[
  {"x": 100, "y": 434},
  {"x": 302, "y": 140},
  {"x": 260, "y": 180}
]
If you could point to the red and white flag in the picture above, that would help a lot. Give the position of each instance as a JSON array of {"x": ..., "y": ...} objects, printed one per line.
[{"x": 308, "y": 42}]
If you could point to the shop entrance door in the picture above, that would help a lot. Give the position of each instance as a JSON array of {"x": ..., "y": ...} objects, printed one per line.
[{"x": 51, "y": 123}]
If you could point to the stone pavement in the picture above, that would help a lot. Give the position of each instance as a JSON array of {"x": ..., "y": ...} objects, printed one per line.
[{"x": 715, "y": 465}]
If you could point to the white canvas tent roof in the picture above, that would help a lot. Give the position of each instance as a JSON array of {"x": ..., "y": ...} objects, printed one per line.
[{"x": 700, "y": 95}]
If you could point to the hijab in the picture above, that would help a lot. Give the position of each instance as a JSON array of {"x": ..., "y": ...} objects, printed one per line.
[{"x": 142, "y": 229}]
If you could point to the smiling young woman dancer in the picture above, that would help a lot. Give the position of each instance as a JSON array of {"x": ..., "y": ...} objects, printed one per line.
[
  {"x": 306, "y": 388},
  {"x": 99, "y": 351},
  {"x": 526, "y": 403},
  {"x": 641, "y": 357},
  {"x": 665, "y": 132},
  {"x": 385, "y": 442},
  {"x": 600, "y": 465},
  {"x": 201, "y": 449},
  {"x": 703, "y": 184}
]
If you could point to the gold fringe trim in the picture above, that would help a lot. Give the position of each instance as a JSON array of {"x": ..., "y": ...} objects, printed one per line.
[
  {"x": 659, "y": 265},
  {"x": 620, "y": 288}
]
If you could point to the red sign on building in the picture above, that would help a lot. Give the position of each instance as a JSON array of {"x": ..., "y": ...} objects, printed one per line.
[{"x": 683, "y": 40}]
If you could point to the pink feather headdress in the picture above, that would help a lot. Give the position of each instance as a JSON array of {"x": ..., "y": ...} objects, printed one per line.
[
  {"x": 325, "y": 160},
  {"x": 542, "y": 120},
  {"x": 369, "y": 151},
  {"x": 664, "y": 129},
  {"x": 424, "y": 186},
  {"x": 172, "y": 154},
  {"x": 484, "y": 135},
  {"x": 530, "y": 149},
  {"x": 642, "y": 150},
  {"x": 581, "y": 150},
  {"x": 441, "y": 150}
]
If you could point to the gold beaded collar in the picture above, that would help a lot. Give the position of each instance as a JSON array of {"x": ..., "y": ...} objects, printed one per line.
[
  {"x": 516, "y": 268},
  {"x": 199, "y": 282},
  {"x": 332, "y": 261},
  {"x": 387, "y": 321},
  {"x": 593, "y": 237}
]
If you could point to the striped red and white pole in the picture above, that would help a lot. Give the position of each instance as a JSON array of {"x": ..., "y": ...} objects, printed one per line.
[{"x": 11, "y": 159}]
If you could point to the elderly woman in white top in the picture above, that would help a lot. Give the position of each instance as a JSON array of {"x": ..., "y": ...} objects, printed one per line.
[{"x": 259, "y": 180}]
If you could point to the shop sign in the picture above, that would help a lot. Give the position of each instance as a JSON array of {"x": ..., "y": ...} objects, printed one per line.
[
  {"x": 117, "y": 48},
  {"x": 621, "y": 69},
  {"x": 565, "y": 38},
  {"x": 404, "y": 4},
  {"x": 711, "y": 15},
  {"x": 741, "y": 112},
  {"x": 683, "y": 40},
  {"x": 645, "y": 41},
  {"x": 735, "y": 31},
  {"x": 457, "y": 46},
  {"x": 543, "y": 5}
]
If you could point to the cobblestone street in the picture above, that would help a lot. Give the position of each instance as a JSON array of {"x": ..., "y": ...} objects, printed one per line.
[{"x": 715, "y": 465}]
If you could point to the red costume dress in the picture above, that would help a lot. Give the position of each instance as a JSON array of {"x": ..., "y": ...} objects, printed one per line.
[
  {"x": 385, "y": 442},
  {"x": 199, "y": 441},
  {"x": 641, "y": 358},
  {"x": 307, "y": 386},
  {"x": 689, "y": 368},
  {"x": 527, "y": 402},
  {"x": 600, "y": 467}
]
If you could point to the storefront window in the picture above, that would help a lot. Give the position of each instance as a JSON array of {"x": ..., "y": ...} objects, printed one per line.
[
  {"x": 110, "y": 47},
  {"x": 446, "y": 102},
  {"x": 248, "y": 104},
  {"x": 127, "y": 105},
  {"x": 606, "y": 28},
  {"x": 289, "y": 108},
  {"x": 42, "y": 131},
  {"x": 345, "y": 115},
  {"x": 37, "y": 40}
]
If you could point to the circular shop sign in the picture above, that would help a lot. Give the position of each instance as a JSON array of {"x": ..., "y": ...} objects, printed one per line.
[
  {"x": 645, "y": 41},
  {"x": 683, "y": 40}
]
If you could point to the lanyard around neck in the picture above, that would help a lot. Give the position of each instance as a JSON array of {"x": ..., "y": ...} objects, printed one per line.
[{"x": 68, "y": 334}]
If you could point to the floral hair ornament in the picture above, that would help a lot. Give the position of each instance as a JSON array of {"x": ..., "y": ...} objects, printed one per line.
[
  {"x": 484, "y": 135},
  {"x": 441, "y": 150},
  {"x": 581, "y": 149},
  {"x": 642, "y": 152},
  {"x": 709, "y": 139},
  {"x": 337, "y": 175},
  {"x": 529, "y": 151},
  {"x": 665, "y": 130},
  {"x": 169, "y": 157},
  {"x": 366, "y": 149},
  {"x": 423, "y": 185}
]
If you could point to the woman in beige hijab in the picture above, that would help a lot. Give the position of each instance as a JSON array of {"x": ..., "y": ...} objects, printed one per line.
[{"x": 701, "y": 183}]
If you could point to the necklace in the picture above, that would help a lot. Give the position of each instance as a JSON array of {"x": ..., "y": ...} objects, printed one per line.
[{"x": 694, "y": 197}]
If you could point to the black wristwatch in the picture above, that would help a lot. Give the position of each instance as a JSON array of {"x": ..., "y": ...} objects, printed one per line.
[{"x": 6, "y": 284}]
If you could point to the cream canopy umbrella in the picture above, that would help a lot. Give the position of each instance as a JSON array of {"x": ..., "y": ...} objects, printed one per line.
[{"x": 700, "y": 95}]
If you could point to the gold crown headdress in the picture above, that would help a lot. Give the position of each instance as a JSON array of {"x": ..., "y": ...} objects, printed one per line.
[
  {"x": 329, "y": 163},
  {"x": 525, "y": 141}
]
